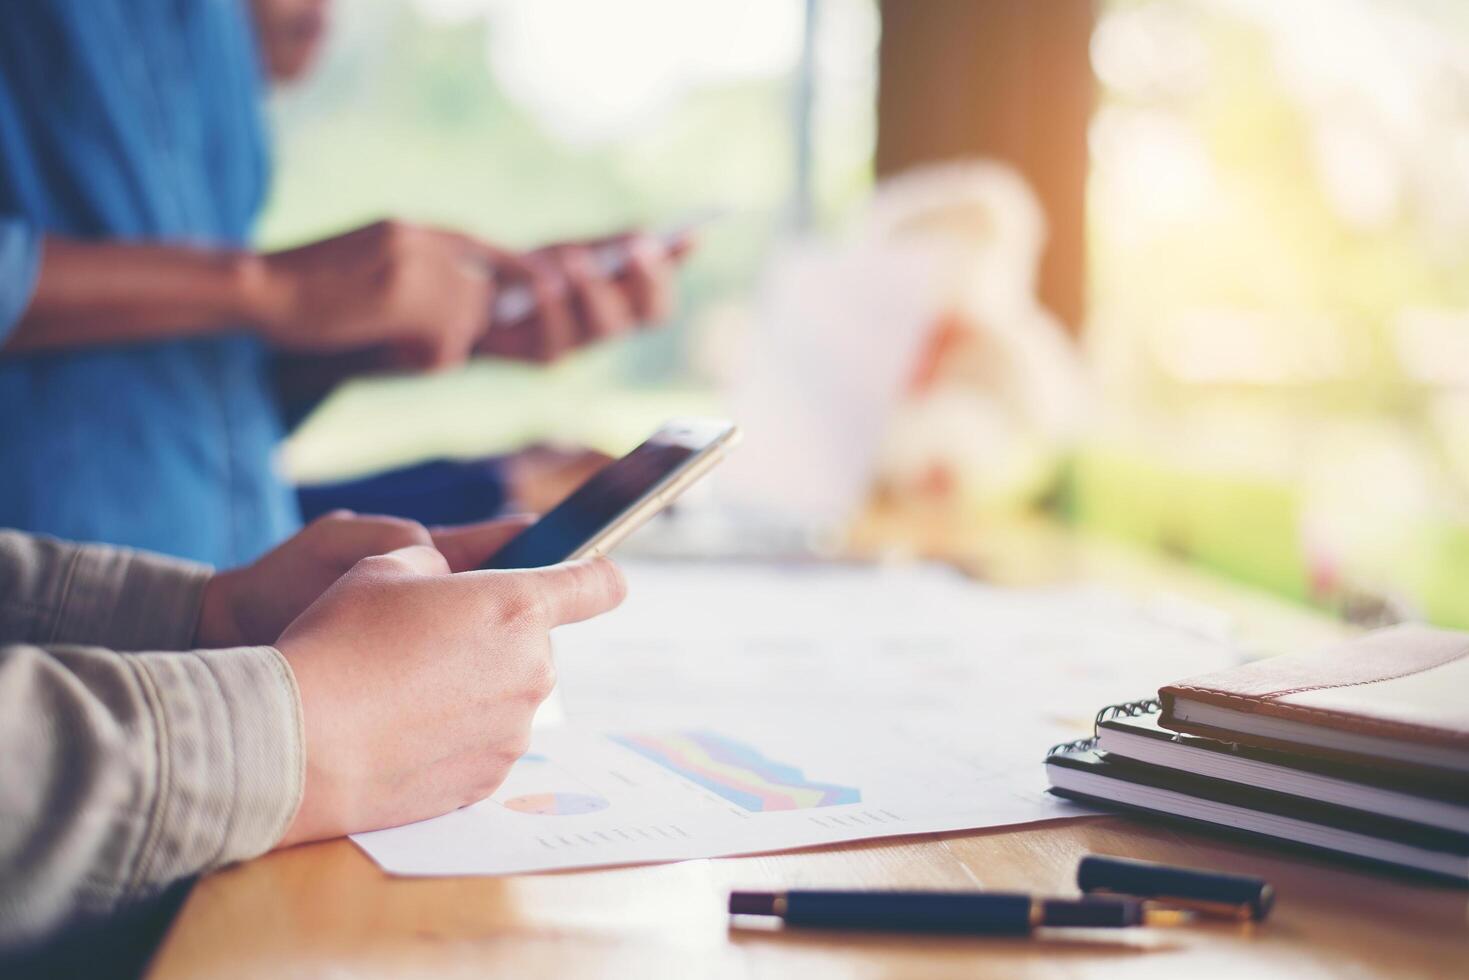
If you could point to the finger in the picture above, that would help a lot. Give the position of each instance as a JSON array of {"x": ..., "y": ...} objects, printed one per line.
[
  {"x": 452, "y": 348},
  {"x": 577, "y": 590},
  {"x": 419, "y": 559},
  {"x": 520, "y": 341},
  {"x": 482, "y": 268},
  {"x": 515, "y": 344},
  {"x": 466, "y": 296},
  {"x": 648, "y": 280},
  {"x": 554, "y": 324},
  {"x": 605, "y": 311},
  {"x": 680, "y": 245},
  {"x": 485, "y": 257},
  {"x": 467, "y": 546},
  {"x": 348, "y": 537}
]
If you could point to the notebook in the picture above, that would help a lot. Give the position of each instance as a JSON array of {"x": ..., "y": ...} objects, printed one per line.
[
  {"x": 1399, "y": 695},
  {"x": 1081, "y": 773},
  {"x": 1131, "y": 731}
]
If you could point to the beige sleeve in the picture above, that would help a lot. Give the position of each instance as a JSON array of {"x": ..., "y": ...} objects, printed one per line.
[
  {"x": 120, "y": 773},
  {"x": 55, "y": 592}
]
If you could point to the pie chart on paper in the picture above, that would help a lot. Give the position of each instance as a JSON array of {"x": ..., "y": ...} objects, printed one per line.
[{"x": 556, "y": 804}]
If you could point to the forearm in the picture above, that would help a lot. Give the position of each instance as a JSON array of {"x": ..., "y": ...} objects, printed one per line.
[
  {"x": 120, "y": 774},
  {"x": 90, "y": 293}
]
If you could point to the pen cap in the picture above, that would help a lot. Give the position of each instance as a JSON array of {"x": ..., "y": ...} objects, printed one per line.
[{"x": 1145, "y": 879}]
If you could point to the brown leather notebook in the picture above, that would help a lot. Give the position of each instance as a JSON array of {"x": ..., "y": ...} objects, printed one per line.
[{"x": 1398, "y": 695}]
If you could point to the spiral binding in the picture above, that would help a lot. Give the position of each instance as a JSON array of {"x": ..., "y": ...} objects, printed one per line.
[
  {"x": 1078, "y": 745},
  {"x": 1127, "y": 709}
]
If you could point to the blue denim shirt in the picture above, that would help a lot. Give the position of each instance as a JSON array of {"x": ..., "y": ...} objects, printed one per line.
[{"x": 140, "y": 120}]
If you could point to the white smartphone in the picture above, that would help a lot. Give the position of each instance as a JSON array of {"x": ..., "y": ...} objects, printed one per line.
[{"x": 622, "y": 496}]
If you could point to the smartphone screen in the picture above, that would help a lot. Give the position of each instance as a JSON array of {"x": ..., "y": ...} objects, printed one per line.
[{"x": 605, "y": 503}]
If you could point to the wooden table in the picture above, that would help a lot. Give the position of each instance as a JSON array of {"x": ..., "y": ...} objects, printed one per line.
[{"x": 326, "y": 911}]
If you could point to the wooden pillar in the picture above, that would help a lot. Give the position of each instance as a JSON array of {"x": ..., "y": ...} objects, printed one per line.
[{"x": 1007, "y": 79}]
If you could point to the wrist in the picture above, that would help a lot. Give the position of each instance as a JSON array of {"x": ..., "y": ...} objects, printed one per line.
[
  {"x": 264, "y": 290},
  {"x": 313, "y": 820},
  {"x": 218, "y": 627},
  {"x": 319, "y": 815}
]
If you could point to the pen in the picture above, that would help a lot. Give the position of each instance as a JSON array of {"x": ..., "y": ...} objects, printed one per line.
[
  {"x": 959, "y": 913},
  {"x": 1212, "y": 893}
]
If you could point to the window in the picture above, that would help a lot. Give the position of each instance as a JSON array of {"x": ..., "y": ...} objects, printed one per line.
[
  {"x": 1279, "y": 239},
  {"x": 528, "y": 120}
]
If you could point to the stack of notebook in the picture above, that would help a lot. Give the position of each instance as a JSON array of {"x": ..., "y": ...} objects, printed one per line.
[{"x": 1361, "y": 749}]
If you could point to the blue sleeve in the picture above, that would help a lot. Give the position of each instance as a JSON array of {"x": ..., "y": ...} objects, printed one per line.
[
  {"x": 440, "y": 491},
  {"x": 20, "y": 264}
]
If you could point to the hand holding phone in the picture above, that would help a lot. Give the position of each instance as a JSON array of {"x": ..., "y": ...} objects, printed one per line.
[
  {"x": 622, "y": 496},
  {"x": 516, "y": 302}
]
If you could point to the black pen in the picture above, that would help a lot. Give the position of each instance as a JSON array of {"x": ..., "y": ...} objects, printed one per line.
[
  {"x": 1212, "y": 893},
  {"x": 959, "y": 913}
]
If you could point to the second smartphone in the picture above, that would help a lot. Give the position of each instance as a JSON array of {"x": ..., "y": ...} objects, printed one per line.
[{"x": 622, "y": 496}]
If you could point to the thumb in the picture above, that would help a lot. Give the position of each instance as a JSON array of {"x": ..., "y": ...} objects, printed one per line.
[
  {"x": 466, "y": 546},
  {"x": 577, "y": 590}
]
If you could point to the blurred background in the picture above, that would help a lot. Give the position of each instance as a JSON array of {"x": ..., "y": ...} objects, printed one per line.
[{"x": 1190, "y": 273}]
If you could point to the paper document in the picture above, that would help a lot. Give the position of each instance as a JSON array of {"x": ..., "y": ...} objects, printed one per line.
[
  {"x": 729, "y": 709},
  {"x": 838, "y": 336},
  {"x": 581, "y": 798}
]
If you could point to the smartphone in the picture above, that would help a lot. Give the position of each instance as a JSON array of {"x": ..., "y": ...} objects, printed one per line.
[{"x": 622, "y": 496}]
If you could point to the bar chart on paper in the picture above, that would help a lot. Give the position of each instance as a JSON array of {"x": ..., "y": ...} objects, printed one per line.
[
  {"x": 587, "y": 799},
  {"x": 737, "y": 772}
]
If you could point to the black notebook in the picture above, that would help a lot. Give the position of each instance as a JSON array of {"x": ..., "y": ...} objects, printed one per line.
[
  {"x": 1085, "y": 772},
  {"x": 1132, "y": 731}
]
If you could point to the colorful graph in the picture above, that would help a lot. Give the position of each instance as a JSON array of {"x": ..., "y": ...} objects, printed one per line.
[
  {"x": 737, "y": 772},
  {"x": 557, "y": 804}
]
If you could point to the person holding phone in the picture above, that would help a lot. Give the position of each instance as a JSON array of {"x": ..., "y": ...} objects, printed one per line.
[
  {"x": 140, "y": 333},
  {"x": 359, "y": 676}
]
